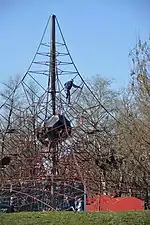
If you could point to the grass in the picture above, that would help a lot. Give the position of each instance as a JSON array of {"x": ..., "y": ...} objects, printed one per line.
[{"x": 69, "y": 218}]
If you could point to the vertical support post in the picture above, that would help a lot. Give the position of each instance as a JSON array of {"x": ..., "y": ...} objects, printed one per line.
[
  {"x": 53, "y": 65},
  {"x": 53, "y": 174},
  {"x": 100, "y": 191},
  {"x": 53, "y": 96},
  {"x": 84, "y": 197}
]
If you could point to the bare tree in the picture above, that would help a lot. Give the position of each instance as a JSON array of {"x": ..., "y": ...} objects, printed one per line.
[{"x": 133, "y": 130}]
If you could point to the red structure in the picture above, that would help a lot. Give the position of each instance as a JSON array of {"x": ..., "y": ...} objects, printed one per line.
[{"x": 107, "y": 203}]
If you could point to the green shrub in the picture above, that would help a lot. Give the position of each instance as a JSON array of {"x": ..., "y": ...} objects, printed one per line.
[{"x": 70, "y": 218}]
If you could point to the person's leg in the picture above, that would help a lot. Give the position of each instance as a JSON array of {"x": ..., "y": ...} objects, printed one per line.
[{"x": 68, "y": 96}]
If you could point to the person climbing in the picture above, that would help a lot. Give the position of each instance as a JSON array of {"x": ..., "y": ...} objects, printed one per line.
[{"x": 68, "y": 85}]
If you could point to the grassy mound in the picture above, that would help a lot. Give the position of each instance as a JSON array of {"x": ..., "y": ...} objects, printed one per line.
[{"x": 64, "y": 218}]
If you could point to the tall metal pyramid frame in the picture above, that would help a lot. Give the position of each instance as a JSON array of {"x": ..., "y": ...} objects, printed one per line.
[{"x": 39, "y": 94}]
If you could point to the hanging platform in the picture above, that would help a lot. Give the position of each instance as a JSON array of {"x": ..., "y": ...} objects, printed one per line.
[{"x": 55, "y": 129}]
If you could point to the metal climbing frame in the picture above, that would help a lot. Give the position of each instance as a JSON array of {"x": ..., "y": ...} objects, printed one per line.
[{"x": 37, "y": 160}]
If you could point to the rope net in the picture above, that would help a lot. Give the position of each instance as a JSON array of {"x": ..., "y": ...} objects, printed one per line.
[{"x": 38, "y": 164}]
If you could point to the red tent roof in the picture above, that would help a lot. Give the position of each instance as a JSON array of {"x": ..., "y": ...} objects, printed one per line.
[{"x": 107, "y": 203}]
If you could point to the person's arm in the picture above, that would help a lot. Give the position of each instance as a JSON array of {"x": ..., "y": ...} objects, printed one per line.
[{"x": 75, "y": 86}]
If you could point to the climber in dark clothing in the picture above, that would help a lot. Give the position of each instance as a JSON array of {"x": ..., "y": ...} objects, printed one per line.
[{"x": 68, "y": 85}]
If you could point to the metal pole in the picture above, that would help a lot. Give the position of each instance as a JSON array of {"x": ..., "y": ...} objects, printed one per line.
[
  {"x": 84, "y": 197},
  {"x": 53, "y": 95},
  {"x": 53, "y": 174},
  {"x": 53, "y": 64}
]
